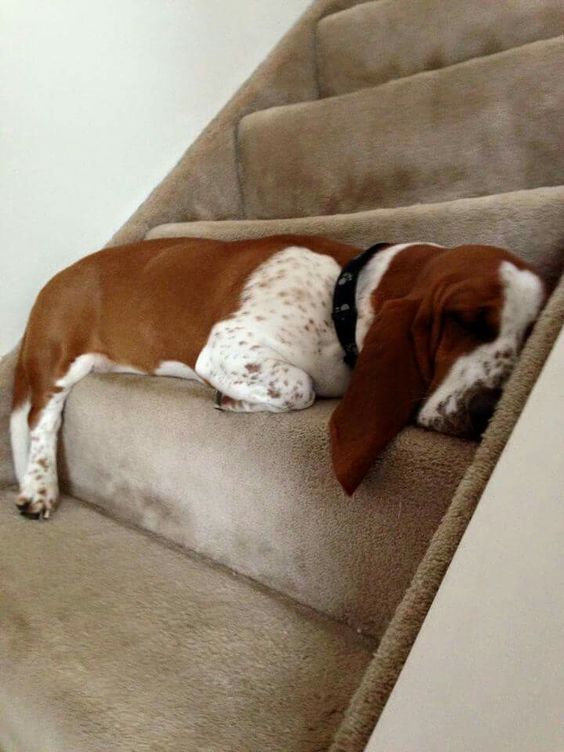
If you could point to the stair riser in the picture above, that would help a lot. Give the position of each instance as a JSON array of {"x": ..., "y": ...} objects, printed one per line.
[
  {"x": 473, "y": 129},
  {"x": 530, "y": 223},
  {"x": 255, "y": 492},
  {"x": 376, "y": 42}
]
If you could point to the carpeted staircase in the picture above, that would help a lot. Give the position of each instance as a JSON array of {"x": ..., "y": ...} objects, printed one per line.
[{"x": 214, "y": 589}]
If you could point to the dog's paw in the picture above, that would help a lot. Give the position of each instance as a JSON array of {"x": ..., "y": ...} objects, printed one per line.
[
  {"x": 37, "y": 504},
  {"x": 230, "y": 405}
]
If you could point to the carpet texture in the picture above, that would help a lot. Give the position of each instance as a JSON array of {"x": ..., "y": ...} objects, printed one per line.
[
  {"x": 431, "y": 137},
  {"x": 394, "y": 120},
  {"x": 530, "y": 223},
  {"x": 376, "y": 42},
  {"x": 109, "y": 639},
  {"x": 379, "y": 679},
  {"x": 256, "y": 492},
  {"x": 7, "y": 367},
  {"x": 205, "y": 182}
]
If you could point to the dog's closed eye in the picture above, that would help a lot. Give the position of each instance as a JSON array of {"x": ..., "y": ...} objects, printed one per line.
[{"x": 475, "y": 322}]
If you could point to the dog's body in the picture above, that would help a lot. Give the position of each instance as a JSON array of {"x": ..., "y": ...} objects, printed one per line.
[{"x": 253, "y": 319}]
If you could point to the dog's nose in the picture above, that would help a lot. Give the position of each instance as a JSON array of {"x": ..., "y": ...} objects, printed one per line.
[{"x": 481, "y": 408}]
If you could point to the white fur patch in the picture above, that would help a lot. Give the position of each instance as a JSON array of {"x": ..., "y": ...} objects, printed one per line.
[
  {"x": 524, "y": 294},
  {"x": 280, "y": 348},
  {"x": 177, "y": 370},
  {"x": 368, "y": 280},
  {"x": 81, "y": 367}
]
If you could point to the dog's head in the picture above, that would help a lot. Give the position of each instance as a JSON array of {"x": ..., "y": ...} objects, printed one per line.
[{"x": 447, "y": 329}]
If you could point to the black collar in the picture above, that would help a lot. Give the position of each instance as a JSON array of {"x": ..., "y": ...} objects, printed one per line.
[{"x": 344, "y": 302}]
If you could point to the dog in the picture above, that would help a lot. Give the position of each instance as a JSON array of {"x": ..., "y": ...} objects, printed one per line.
[{"x": 398, "y": 331}]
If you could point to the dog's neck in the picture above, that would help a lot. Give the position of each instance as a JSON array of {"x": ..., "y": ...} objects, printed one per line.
[{"x": 368, "y": 280}]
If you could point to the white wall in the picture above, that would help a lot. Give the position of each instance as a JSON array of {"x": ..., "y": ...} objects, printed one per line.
[{"x": 99, "y": 98}]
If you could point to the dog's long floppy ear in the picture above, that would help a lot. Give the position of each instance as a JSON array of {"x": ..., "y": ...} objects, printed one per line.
[{"x": 385, "y": 388}]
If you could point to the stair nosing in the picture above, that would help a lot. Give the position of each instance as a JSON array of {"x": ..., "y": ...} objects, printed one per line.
[{"x": 403, "y": 81}]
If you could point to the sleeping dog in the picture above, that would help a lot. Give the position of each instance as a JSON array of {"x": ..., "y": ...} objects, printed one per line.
[{"x": 405, "y": 330}]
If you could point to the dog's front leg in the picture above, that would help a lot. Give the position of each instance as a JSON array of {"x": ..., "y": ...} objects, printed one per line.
[{"x": 256, "y": 381}]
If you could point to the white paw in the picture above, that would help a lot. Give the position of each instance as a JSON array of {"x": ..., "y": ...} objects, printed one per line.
[
  {"x": 228, "y": 404},
  {"x": 37, "y": 499}
]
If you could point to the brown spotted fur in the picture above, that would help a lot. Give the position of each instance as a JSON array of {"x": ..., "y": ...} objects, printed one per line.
[
  {"x": 157, "y": 300},
  {"x": 140, "y": 304}
]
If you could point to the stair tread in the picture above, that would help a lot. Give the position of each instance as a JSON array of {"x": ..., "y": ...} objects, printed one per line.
[
  {"x": 517, "y": 220},
  {"x": 430, "y": 137},
  {"x": 375, "y": 42},
  {"x": 256, "y": 491},
  {"x": 112, "y": 640}
]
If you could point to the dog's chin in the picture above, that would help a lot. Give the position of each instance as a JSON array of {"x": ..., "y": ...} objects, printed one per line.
[
  {"x": 456, "y": 423},
  {"x": 466, "y": 415}
]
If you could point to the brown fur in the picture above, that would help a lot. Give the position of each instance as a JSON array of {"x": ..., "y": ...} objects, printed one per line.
[
  {"x": 140, "y": 304},
  {"x": 157, "y": 300},
  {"x": 417, "y": 334}
]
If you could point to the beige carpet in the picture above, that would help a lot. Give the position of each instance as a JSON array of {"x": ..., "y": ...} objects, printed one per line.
[
  {"x": 113, "y": 640},
  {"x": 255, "y": 492}
]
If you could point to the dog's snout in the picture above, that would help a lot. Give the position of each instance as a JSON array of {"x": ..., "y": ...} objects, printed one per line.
[{"x": 481, "y": 408}]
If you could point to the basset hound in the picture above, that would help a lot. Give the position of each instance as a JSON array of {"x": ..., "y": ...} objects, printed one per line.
[{"x": 399, "y": 331}]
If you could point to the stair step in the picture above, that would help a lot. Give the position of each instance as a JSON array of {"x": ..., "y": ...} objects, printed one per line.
[
  {"x": 531, "y": 223},
  {"x": 255, "y": 492},
  {"x": 472, "y": 129},
  {"x": 379, "y": 41},
  {"x": 111, "y": 640}
]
